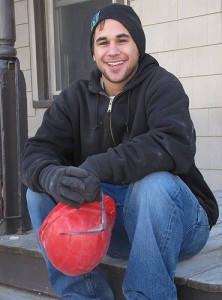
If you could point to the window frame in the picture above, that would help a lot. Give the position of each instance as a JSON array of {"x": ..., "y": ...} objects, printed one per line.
[{"x": 43, "y": 51}]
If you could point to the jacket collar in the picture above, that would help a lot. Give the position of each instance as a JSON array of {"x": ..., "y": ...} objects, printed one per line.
[{"x": 144, "y": 66}]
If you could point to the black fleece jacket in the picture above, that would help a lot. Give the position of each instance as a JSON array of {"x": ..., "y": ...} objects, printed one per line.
[{"x": 146, "y": 129}]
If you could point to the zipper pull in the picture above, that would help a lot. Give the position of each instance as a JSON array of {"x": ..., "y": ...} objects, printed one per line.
[{"x": 110, "y": 105}]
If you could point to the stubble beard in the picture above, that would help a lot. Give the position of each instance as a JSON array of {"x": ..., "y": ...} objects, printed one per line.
[{"x": 127, "y": 75}]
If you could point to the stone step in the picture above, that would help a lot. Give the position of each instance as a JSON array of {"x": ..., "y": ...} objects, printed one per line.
[
  {"x": 12, "y": 293},
  {"x": 22, "y": 264}
]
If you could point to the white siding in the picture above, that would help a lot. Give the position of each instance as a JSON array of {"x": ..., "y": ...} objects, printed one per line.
[
  {"x": 24, "y": 54},
  {"x": 186, "y": 38}
]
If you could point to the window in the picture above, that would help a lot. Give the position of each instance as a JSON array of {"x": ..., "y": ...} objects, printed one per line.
[
  {"x": 71, "y": 31},
  {"x": 62, "y": 29}
]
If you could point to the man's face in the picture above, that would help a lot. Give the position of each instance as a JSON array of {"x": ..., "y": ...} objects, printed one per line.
[{"x": 115, "y": 54}]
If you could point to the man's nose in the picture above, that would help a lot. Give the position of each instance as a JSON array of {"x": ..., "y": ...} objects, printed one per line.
[{"x": 113, "y": 49}]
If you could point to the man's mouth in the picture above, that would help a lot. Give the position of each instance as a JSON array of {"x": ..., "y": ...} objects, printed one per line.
[{"x": 116, "y": 63}]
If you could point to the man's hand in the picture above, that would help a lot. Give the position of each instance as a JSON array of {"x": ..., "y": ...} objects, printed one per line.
[
  {"x": 92, "y": 182},
  {"x": 92, "y": 186},
  {"x": 64, "y": 184},
  {"x": 70, "y": 185}
]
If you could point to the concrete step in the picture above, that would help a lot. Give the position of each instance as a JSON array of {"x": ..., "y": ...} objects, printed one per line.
[
  {"x": 12, "y": 293},
  {"x": 22, "y": 265}
]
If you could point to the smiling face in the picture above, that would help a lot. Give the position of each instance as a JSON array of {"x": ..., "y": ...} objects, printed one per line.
[{"x": 115, "y": 54}]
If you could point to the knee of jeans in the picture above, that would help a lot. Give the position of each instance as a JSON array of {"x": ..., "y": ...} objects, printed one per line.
[
  {"x": 33, "y": 196},
  {"x": 39, "y": 201},
  {"x": 33, "y": 200},
  {"x": 39, "y": 206},
  {"x": 154, "y": 191},
  {"x": 158, "y": 182}
]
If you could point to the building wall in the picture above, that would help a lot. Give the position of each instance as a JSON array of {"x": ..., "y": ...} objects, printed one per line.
[
  {"x": 25, "y": 54},
  {"x": 186, "y": 38}
]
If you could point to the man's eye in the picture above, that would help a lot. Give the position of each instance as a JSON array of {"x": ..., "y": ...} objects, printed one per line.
[
  {"x": 103, "y": 43},
  {"x": 122, "y": 41}
]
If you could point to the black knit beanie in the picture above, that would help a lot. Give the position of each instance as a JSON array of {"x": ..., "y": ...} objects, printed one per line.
[{"x": 125, "y": 15}]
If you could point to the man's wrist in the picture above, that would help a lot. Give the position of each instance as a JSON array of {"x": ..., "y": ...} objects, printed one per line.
[
  {"x": 44, "y": 177},
  {"x": 90, "y": 166}
]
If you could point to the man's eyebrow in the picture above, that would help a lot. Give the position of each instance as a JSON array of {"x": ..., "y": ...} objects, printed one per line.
[
  {"x": 121, "y": 35},
  {"x": 101, "y": 38}
]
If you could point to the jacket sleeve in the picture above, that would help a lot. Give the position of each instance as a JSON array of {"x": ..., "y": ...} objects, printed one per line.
[
  {"x": 167, "y": 145},
  {"x": 45, "y": 147}
]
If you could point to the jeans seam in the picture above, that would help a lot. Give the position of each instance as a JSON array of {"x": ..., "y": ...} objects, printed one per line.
[
  {"x": 89, "y": 285},
  {"x": 164, "y": 247}
]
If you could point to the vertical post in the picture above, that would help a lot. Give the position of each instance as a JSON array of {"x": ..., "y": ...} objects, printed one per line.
[{"x": 13, "y": 127}]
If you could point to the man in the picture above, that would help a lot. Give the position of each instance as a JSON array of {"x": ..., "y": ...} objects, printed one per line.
[{"x": 128, "y": 132}]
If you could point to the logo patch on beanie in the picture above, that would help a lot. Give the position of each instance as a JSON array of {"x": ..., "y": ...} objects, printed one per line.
[{"x": 95, "y": 20}]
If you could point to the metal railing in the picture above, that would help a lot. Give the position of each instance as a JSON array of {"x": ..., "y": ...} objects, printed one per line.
[{"x": 13, "y": 128}]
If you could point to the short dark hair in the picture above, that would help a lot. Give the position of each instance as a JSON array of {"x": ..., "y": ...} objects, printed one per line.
[{"x": 101, "y": 26}]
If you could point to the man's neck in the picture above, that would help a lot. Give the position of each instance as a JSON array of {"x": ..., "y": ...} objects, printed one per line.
[{"x": 112, "y": 89}]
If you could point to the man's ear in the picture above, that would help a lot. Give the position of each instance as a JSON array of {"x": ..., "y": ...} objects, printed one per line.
[{"x": 94, "y": 58}]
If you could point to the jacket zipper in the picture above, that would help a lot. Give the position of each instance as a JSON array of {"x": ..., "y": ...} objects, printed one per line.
[
  {"x": 109, "y": 111},
  {"x": 111, "y": 130},
  {"x": 110, "y": 106}
]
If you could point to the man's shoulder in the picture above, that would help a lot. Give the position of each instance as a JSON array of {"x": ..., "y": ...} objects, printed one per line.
[
  {"x": 160, "y": 76},
  {"x": 76, "y": 87}
]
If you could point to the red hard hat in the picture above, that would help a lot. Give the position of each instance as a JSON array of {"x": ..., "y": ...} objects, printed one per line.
[{"x": 75, "y": 240}]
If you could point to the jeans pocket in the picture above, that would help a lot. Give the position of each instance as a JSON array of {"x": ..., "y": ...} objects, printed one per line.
[{"x": 196, "y": 236}]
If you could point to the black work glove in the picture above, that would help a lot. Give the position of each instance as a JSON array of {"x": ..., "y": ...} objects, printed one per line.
[
  {"x": 64, "y": 184},
  {"x": 92, "y": 185}
]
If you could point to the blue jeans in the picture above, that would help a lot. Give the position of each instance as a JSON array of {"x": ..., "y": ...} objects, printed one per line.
[{"x": 159, "y": 221}]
